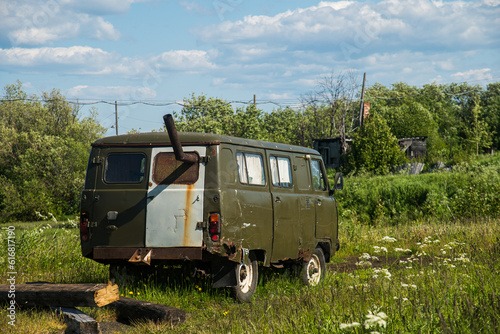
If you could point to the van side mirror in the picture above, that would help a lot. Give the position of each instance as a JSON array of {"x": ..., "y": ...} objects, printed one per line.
[{"x": 338, "y": 183}]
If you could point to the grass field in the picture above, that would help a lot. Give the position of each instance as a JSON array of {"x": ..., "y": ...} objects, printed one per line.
[{"x": 427, "y": 277}]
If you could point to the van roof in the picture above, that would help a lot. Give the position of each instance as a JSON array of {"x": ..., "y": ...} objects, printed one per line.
[{"x": 193, "y": 138}]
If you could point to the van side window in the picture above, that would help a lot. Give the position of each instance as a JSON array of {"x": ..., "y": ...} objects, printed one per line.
[
  {"x": 167, "y": 170},
  {"x": 281, "y": 172},
  {"x": 317, "y": 175},
  {"x": 124, "y": 168},
  {"x": 250, "y": 168}
]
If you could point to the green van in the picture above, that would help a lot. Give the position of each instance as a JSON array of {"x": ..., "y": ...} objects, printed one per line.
[{"x": 224, "y": 203}]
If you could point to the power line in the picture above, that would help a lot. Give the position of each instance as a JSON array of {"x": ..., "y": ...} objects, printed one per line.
[{"x": 277, "y": 102}]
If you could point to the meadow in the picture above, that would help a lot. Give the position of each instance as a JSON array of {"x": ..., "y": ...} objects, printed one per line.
[
  {"x": 420, "y": 277},
  {"x": 419, "y": 254}
]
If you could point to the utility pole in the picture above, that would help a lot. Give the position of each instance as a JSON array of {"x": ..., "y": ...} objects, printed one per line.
[
  {"x": 116, "y": 117},
  {"x": 361, "y": 108},
  {"x": 254, "y": 100}
]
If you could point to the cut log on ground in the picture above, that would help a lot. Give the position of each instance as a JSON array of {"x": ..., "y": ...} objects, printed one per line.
[
  {"x": 62, "y": 295},
  {"x": 77, "y": 321},
  {"x": 128, "y": 309}
]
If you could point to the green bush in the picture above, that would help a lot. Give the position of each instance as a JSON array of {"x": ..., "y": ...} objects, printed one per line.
[
  {"x": 44, "y": 148},
  {"x": 470, "y": 190}
]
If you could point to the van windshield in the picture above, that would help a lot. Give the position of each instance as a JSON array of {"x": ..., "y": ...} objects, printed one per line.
[{"x": 124, "y": 168}]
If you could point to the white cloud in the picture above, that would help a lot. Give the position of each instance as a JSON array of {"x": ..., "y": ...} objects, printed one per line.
[
  {"x": 184, "y": 60},
  {"x": 365, "y": 27},
  {"x": 31, "y": 23},
  {"x": 86, "y": 60},
  {"x": 113, "y": 92},
  {"x": 75, "y": 55},
  {"x": 474, "y": 75}
]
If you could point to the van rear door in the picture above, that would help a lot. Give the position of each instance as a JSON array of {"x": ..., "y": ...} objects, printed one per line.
[
  {"x": 175, "y": 199},
  {"x": 116, "y": 207}
]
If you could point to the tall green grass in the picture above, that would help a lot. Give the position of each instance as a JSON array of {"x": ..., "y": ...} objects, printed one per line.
[
  {"x": 439, "y": 277},
  {"x": 468, "y": 190}
]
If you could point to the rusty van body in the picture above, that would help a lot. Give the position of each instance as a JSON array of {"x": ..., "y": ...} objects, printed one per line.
[{"x": 223, "y": 202}]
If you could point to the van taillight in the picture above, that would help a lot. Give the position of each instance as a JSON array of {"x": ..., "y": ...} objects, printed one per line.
[
  {"x": 214, "y": 226},
  {"x": 84, "y": 226}
]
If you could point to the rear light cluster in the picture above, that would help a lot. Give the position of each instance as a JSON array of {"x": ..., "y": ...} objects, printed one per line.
[
  {"x": 214, "y": 226},
  {"x": 84, "y": 226}
]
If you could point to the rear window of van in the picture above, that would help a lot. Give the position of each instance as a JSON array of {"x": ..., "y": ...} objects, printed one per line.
[
  {"x": 167, "y": 170},
  {"x": 124, "y": 168}
]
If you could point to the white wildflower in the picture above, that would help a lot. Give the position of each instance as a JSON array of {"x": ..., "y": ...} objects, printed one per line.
[
  {"x": 364, "y": 264},
  {"x": 384, "y": 272},
  {"x": 388, "y": 239},
  {"x": 378, "y": 249},
  {"x": 373, "y": 320},
  {"x": 345, "y": 326},
  {"x": 365, "y": 256},
  {"x": 462, "y": 258}
]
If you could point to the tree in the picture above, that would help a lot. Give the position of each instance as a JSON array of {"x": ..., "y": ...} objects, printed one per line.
[
  {"x": 280, "y": 126},
  {"x": 375, "y": 149},
  {"x": 207, "y": 115},
  {"x": 477, "y": 132},
  {"x": 490, "y": 102},
  {"x": 340, "y": 93},
  {"x": 44, "y": 152}
]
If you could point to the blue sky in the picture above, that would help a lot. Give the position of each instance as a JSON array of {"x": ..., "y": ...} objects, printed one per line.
[{"x": 160, "y": 52}]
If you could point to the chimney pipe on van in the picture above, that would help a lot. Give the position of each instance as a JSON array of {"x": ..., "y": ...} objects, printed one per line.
[{"x": 176, "y": 143}]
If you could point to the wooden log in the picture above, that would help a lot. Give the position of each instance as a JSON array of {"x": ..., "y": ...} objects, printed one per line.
[
  {"x": 63, "y": 295},
  {"x": 77, "y": 321},
  {"x": 128, "y": 309}
]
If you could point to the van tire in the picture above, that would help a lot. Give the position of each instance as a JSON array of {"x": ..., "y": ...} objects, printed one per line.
[
  {"x": 313, "y": 271},
  {"x": 247, "y": 277}
]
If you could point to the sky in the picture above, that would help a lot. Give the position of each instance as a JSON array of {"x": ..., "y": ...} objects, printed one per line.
[{"x": 159, "y": 52}]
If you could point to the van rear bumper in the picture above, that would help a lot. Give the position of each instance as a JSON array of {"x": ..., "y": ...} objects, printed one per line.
[{"x": 155, "y": 253}]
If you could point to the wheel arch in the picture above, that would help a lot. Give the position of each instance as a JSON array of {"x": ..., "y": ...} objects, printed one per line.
[{"x": 326, "y": 248}]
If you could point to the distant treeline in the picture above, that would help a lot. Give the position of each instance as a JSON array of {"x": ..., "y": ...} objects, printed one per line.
[
  {"x": 44, "y": 141},
  {"x": 458, "y": 120}
]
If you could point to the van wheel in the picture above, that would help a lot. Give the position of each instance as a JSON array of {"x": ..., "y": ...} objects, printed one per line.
[
  {"x": 313, "y": 271},
  {"x": 247, "y": 277}
]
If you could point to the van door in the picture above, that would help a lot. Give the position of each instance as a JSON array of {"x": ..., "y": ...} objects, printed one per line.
[
  {"x": 116, "y": 208},
  {"x": 175, "y": 199},
  {"x": 325, "y": 206},
  {"x": 286, "y": 232}
]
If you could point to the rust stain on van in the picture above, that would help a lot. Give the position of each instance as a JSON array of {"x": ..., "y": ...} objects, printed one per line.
[{"x": 189, "y": 206}]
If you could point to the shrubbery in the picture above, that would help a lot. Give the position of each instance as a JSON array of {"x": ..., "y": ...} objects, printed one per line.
[
  {"x": 470, "y": 190},
  {"x": 44, "y": 148}
]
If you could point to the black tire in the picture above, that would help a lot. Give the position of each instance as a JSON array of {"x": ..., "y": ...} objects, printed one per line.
[
  {"x": 247, "y": 277},
  {"x": 313, "y": 271}
]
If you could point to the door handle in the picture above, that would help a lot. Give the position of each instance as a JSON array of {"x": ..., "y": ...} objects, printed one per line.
[
  {"x": 277, "y": 200},
  {"x": 318, "y": 201}
]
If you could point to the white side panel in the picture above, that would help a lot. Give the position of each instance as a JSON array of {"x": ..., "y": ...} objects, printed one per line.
[{"x": 173, "y": 211}]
